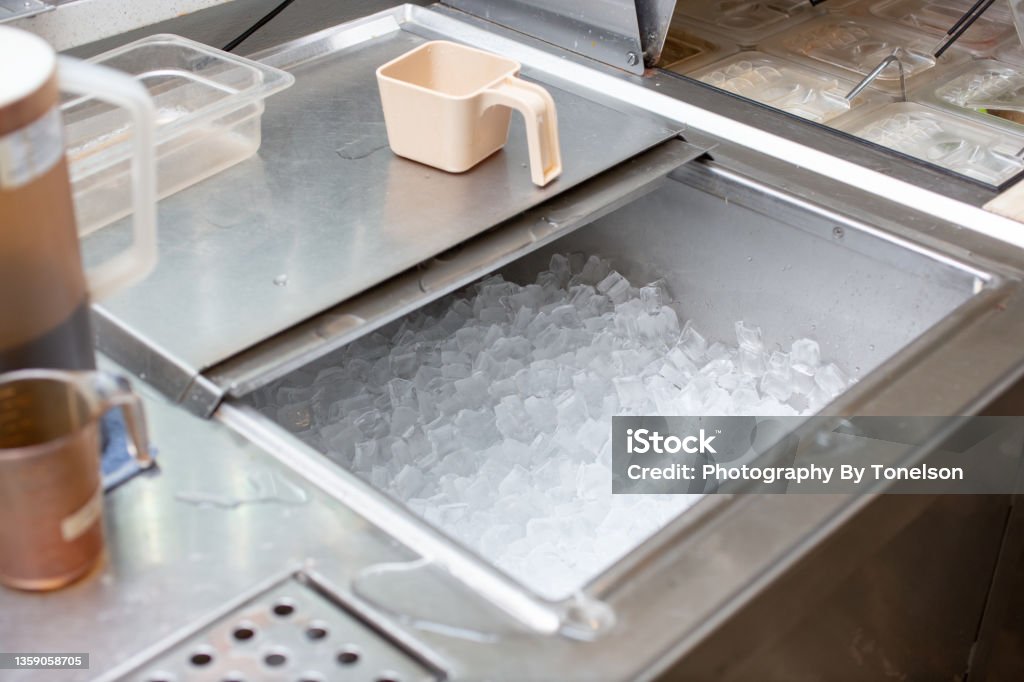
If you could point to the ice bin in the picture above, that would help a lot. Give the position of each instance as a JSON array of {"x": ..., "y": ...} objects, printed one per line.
[{"x": 765, "y": 258}]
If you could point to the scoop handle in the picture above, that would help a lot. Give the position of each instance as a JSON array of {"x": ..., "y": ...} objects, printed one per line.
[{"x": 538, "y": 110}]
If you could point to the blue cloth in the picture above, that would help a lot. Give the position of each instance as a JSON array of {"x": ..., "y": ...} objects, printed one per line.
[{"x": 116, "y": 464}]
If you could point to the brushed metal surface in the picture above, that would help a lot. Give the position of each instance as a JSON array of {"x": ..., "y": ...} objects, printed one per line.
[
  {"x": 22, "y": 9},
  {"x": 326, "y": 211},
  {"x": 605, "y": 30},
  {"x": 410, "y": 290}
]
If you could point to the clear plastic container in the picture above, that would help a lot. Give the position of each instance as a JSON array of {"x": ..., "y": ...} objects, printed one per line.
[
  {"x": 953, "y": 142},
  {"x": 853, "y": 47},
  {"x": 747, "y": 21},
  {"x": 985, "y": 90},
  {"x": 804, "y": 92},
  {"x": 1011, "y": 52},
  {"x": 685, "y": 50},
  {"x": 209, "y": 105},
  {"x": 1017, "y": 12},
  {"x": 935, "y": 17}
]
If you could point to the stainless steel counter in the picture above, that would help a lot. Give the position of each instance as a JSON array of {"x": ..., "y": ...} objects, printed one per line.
[
  {"x": 229, "y": 521},
  {"x": 182, "y": 541}
]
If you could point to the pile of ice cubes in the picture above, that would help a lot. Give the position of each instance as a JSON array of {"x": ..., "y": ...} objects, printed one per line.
[{"x": 489, "y": 412}]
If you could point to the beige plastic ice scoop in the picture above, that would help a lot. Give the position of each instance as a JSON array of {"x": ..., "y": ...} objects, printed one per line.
[{"x": 449, "y": 106}]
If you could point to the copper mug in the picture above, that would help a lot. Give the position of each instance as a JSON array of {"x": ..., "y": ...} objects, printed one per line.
[{"x": 51, "y": 494}]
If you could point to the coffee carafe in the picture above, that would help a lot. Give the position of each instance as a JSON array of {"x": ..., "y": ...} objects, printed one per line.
[{"x": 44, "y": 290}]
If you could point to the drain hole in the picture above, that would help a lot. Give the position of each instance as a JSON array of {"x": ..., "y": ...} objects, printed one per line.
[
  {"x": 275, "y": 659},
  {"x": 316, "y": 631},
  {"x": 243, "y": 633},
  {"x": 387, "y": 677},
  {"x": 284, "y": 608},
  {"x": 201, "y": 658},
  {"x": 348, "y": 656}
]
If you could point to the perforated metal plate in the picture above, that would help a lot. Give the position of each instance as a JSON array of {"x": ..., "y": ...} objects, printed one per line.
[{"x": 292, "y": 632}]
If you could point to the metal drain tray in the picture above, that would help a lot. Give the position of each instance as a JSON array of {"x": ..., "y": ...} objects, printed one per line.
[{"x": 294, "y": 631}]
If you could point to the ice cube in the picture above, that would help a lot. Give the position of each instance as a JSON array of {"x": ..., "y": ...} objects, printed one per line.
[
  {"x": 501, "y": 388},
  {"x": 653, "y": 298},
  {"x": 379, "y": 477},
  {"x": 515, "y": 482},
  {"x": 402, "y": 365},
  {"x": 673, "y": 375},
  {"x": 802, "y": 377},
  {"x": 341, "y": 437},
  {"x": 495, "y": 539},
  {"x": 630, "y": 390},
  {"x": 477, "y": 427},
  {"x": 403, "y": 420},
  {"x": 593, "y": 435},
  {"x": 831, "y": 380},
  {"x": 692, "y": 343},
  {"x": 777, "y": 385},
  {"x": 472, "y": 390},
  {"x": 593, "y": 482},
  {"x": 594, "y": 270},
  {"x": 495, "y": 314},
  {"x": 559, "y": 266},
  {"x": 456, "y": 371},
  {"x": 408, "y": 482},
  {"x": 717, "y": 368},
  {"x": 744, "y": 399},
  {"x": 441, "y": 435},
  {"x": 486, "y": 365},
  {"x": 751, "y": 360},
  {"x": 805, "y": 352},
  {"x": 681, "y": 361},
  {"x": 365, "y": 457},
  {"x": 543, "y": 413},
  {"x": 717, "y": 350},
  {"x": 400, "y": 393},
  {"x": 572, "y": 410},
  {"x": 531, "y": 296},
  {"x": 779, "y": 362},
  {"x": 615, "y": 287},
  {"x": 748, "y": 336},
  {"x": 512, "y": 420},
  {"x": 469, "y": 340}
]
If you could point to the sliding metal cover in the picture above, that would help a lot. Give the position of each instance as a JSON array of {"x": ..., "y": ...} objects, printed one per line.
[
  {"x": 605, "y": 30},
  {"x": 325, "y": 211}
]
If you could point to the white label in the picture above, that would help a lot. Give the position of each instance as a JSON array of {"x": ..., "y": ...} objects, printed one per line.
[
  {"x": 80, "y": 521},
  {"x": 31, "y": 151}
]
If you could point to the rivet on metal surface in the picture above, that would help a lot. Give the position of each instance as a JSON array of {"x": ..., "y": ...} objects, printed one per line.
[{"x": 838, "y": 232}]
